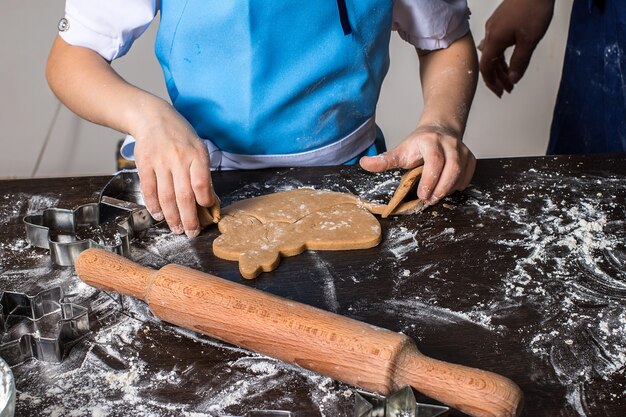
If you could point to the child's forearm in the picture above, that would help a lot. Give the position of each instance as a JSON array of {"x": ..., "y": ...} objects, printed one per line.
[
  {"x": 173, "y": 163},
  {"x": 88, "y": 86},
  {"x": 449, "y": 77}
]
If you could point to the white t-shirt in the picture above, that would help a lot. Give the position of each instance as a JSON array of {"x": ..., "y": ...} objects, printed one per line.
[{"x": 110, "y": 27}]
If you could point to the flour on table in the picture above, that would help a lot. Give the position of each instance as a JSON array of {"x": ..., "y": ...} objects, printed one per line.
[
  {"x": 166, "y": 247},
  {"x": 566, "y": 261},
  {"x": 567, "y": 264},
  {"x": 22, "y": 204},
  {"x": 401, "y": 242},
  {"x": 574, "y": 273}
]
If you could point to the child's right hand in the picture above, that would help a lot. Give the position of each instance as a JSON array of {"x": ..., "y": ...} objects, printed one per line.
[
  {"x": 173, "y": 165},
  {"x": 173, "y": 162}
]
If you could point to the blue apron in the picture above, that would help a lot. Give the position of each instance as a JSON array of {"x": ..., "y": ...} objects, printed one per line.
[
  {"x": 277, "y": 83},
  {"x": 590, "y": 111}
]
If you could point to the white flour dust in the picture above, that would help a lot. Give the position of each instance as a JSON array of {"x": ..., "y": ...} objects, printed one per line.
[
  {"x": 573, "y": 274},
  {"x": 21, "y": 204},
  {"x": 415, "y": 310},
  {"x": 168, "y": 247},
  {"x": 571, "y": 247},
  {"x": 5, "y": 385},
  {"x": 18, "y": 252},
  {"x": 567, "y": 261},
  {"x": 401, "y": 242}
]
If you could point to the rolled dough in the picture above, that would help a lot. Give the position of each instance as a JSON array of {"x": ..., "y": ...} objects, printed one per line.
[{"x": 258, "y": 231}]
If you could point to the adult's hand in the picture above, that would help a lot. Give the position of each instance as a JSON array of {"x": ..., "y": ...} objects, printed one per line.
[{"x": 517, "y": 23}]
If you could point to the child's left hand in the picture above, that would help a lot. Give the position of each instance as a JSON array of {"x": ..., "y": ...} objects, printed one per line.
[{"x": 448, "y": 163}]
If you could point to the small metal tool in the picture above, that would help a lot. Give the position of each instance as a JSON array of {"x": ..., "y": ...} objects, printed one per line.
[
  {"x": 44, "y": 326},
  {"x": 123, "y": 190},
  {"x": 109, "y": 224},
  {"x": 265, "y": 413},
  {"x": 398, "y": 404}
]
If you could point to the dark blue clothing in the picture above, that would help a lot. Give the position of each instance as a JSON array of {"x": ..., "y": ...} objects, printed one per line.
[{"x": 590, "y": 111}]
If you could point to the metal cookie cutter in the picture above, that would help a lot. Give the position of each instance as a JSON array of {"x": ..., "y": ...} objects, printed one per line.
[
  {"x": 265, "y": 413},
  {"x": 398, "y": 404},
  {"x": 44, "y": 326},
  {"x": 109, "y": 224}
]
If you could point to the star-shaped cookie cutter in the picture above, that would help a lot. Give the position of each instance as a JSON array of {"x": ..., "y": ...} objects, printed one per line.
[
  {"x": 43, "y": 327},
  {"x": 109, "y": 224},
  {"x": 399, "y": 403}
]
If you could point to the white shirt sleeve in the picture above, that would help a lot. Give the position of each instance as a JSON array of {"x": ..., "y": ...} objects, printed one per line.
[
  {"x": 431, "y": 24},
  {"x": 108, "y": 27}
]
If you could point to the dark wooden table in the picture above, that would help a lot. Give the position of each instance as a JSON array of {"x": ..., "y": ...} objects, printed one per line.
[{"x": 523, "y": 274}]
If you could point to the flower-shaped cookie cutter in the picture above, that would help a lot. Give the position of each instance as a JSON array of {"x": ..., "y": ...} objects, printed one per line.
[
  {"x": 109, "y": 224},
  {"x": 43, "y": 327}
]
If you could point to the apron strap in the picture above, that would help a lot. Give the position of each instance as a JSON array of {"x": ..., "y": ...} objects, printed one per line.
[{"x": 343, "y": 17}]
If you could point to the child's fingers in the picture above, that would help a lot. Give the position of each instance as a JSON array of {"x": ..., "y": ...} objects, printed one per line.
[
  {"x": 457, "y": 172},
  {"x": 201, "y": 182},
  {"x": 186, "y": 202},
  {"x": 450, "y": 174},
  {"x": 148, "y": 186},
  {"x": 468, "y": 172},
  {"x": 434, "y": 161},
  {"x": 167, "y": 200},
  {"x": 380, "y": 163}
]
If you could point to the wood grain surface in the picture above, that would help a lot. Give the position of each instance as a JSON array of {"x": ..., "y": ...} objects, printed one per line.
[{"x": 359, "y": 354}]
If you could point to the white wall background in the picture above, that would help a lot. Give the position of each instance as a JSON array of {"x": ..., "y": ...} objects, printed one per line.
[{"x": 516, "y": 125}]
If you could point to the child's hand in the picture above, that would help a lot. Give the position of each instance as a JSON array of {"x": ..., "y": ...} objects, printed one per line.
[
  {"x": 448, "y": 163},
  {"x": 173, "y": 165},
  {"x": 173, "y": 162}
]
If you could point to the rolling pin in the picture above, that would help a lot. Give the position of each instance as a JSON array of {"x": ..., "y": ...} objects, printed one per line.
[{"x": 344, "y": 349}]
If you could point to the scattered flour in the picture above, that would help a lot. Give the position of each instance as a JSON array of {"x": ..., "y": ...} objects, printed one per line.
[
  {"x": 573, "y": 274},
  {"x": 14, "y": 206},
  {"x": 401, "y": 242},
  {"x": 568, "y": 267},
  {"x": 168, "y": 247},
  {"x": 6, "y": 387}
]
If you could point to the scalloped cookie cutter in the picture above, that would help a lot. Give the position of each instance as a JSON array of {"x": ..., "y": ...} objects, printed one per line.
[
  {"x": 44, "y": 326},
  {"x": 109, "y": 224}
]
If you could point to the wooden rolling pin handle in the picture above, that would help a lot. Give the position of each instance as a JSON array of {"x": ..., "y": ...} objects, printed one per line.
[
  {"x": 354, "y": 352},
  {"x": 473, "y": 391},
  {"x": 110, "y": 272}
]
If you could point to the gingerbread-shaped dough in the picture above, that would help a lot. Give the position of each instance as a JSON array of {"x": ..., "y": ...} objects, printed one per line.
[{"x": 258, "y": 231}]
